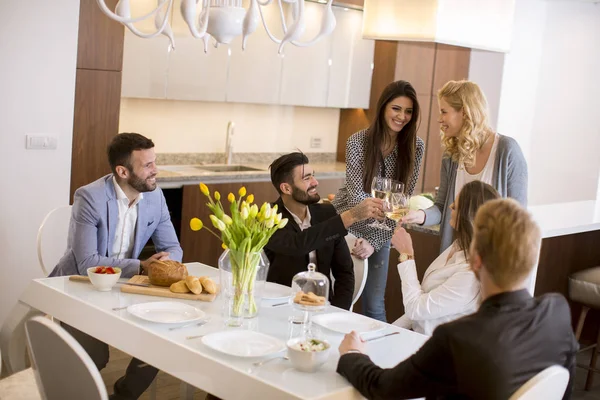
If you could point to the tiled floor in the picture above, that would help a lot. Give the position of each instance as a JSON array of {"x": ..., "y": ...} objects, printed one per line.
[{"x": 580, "y": 376}]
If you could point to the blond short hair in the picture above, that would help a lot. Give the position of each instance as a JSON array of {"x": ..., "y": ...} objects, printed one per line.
[
  {"x": 468, "y": 97},
  {"x": 508, "y": 241}
]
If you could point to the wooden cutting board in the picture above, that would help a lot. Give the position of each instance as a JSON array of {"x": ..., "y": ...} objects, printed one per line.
[
  {"x": 162, "y": 291},
  {"x": 152, "y": 290}
]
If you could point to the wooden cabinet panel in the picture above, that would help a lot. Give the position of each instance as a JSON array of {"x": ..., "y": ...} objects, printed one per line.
[
  {"x": 145, "y": 65},
  {"x": 96, "y": 122},
  {"x": 100, "y": 43},
  {"x": 451, "y": 63},
  {"x": 414, "y": 63}
]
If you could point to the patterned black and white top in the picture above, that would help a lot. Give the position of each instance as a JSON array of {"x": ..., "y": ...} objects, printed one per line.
[{"x": 352, "y": 192}]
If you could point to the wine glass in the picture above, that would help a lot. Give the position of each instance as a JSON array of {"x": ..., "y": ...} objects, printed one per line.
[
  {"x": 381, "y": 189},
  {"x": 399, "y": 203}
]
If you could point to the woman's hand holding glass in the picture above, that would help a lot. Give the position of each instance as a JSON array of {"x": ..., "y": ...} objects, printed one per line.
[{"x": 414, "y": 217}]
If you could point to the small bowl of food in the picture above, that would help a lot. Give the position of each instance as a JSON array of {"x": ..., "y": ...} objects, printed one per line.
[
  {"x": 308, "y": 355},
  {"x": 104, "y": 278}
]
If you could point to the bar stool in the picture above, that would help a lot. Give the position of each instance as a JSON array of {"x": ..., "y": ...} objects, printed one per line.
[{"x": 584, "y": 288}]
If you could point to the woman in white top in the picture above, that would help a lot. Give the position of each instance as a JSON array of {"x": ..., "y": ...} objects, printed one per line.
[
  {"x": 449, "y": 289},
  {"x": 473, "y": 151}
]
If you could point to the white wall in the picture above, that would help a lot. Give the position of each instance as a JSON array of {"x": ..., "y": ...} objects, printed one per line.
[
  {"x": 200, "y": 127},
  {"x": 549, "y": 100},
  {"x": 37, "y": 80},
  {"x": 486, "y": 69}
]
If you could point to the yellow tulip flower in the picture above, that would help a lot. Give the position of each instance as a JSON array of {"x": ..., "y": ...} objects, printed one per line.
[
  {"x": 217, "y": 223},
  {"x": 282, "y": 223},
  {"x": 250, "y": 199},
  {"x": 217, "y": 196},
  {"x": 274, "y": 209},
  {"x": 196, "y": 224},
  {"x": 227, "y": 219},
  {"x": 231, "y": 197},
  {"x": 223, "y": 246},
  {"x": 245, "y": 213},
  {"x": 242, "y": 191},
  {"x": 204, "y": 190},
  {"x": 253, "y": 211},
  {"x": 270, "y": 223}
]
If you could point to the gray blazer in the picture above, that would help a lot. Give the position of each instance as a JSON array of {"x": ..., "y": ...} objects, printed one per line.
[
  {"x": 509, "y": 179},
  {"x": 92, "y": 230}
]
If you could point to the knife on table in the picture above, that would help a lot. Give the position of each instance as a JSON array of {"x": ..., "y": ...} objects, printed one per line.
[{"x": 82, "y": 278}]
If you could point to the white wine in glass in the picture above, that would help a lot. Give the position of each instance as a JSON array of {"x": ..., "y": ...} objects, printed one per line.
[
  {"x": 399, "y": 206},
  {"x": 381, "y": 189}
]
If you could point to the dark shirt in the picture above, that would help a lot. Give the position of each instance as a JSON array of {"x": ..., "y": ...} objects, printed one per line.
[{"x": 487, "y": 355}]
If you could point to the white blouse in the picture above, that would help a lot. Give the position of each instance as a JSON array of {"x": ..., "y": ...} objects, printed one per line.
[
  {"x": 485, "y": 175},
  {"x": 449, "y": 291}
]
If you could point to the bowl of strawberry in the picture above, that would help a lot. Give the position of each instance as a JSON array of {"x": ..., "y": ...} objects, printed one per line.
[{"x": 104, "y": 278}]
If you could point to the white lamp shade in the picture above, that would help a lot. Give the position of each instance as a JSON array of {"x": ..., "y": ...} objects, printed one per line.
[{"x": 478, "y": 24}]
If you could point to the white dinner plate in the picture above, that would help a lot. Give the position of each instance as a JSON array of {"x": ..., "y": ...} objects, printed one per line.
[
  {"x": 275, "y": 291},
  {"x": 243, "y": 343},
  {"x": 344, "y": 322},
  {"x": 166, "y": 312}
]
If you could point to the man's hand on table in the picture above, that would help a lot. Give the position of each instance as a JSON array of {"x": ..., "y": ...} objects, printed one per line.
[
  {"x": 162, "y": 256},
  {"x": 352, "y": 341}
]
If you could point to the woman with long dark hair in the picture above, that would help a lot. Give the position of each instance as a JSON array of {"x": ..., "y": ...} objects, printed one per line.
[
  {"x": 389, "y": 148},
  {"x": 450, "y": 288}
]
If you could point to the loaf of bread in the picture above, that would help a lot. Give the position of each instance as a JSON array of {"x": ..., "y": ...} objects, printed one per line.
[
  {"x": 166, "y": 273},
  {"x": 193, "y": 283},
  {"x": 179, "y": 287},
  {"x": 208, "y": 284}
]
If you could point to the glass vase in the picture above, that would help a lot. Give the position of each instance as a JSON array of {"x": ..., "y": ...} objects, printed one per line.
[{"x": 243, "y": 277}]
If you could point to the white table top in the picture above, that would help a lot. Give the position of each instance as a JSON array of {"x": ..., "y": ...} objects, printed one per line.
[
  {"x": 561, "y": 219},
  {"x": 80, "y": 305}
]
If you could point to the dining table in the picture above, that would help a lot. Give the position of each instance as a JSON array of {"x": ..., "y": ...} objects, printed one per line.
[{"x": 184, "y": 354}]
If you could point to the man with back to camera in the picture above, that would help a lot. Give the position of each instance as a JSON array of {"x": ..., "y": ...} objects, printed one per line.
[
  {"x": 111, "y": 221},
  {"x": 315, "y": 232},
  {"x": 493, "y": 352}
]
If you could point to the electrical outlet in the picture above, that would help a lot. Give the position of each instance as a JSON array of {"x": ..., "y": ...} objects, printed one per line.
[
  {"x": 315, "y": 142},
  {"x": 40, "y": 142}
]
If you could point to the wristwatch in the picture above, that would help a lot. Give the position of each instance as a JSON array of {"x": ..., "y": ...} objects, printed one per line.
[
  {"x": 405, "y": 257},
  {"x": 353, "y": 351}
]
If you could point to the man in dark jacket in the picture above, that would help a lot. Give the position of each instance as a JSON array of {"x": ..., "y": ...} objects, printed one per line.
[
  {"x": 315, "y": 232},
  {"x": 493, "y": 352}
]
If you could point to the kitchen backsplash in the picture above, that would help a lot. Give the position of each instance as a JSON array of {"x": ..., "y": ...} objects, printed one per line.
[{"x": 200, "y": 127}]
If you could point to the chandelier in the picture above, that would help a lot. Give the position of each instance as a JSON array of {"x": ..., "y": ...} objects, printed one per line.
[{"x": 224, "y": 20}]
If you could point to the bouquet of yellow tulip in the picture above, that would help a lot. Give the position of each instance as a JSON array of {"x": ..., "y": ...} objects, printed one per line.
[{"x": 244, "y": 232}]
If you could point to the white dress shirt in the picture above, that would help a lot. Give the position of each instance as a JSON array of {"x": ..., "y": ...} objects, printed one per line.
[
  {"x": 449, "y": 291},
  {"x": 125, "y": 231},
  {"x": 312, "y": 256}
]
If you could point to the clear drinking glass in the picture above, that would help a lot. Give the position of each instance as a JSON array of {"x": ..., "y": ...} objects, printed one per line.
[
  {"x": 399, "y": 202},
  {"x": 381, "y": 188}
]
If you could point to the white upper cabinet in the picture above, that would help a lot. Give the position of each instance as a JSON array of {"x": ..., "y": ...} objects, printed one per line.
[
  {"x": 196, "y": 75},
  {"x": 145, "y": 63},
  {"x": 305, "y": 74},
  {"x": 351, "y": 62},
  {"x": 334, "y": 72},
  {"x": 255, "y": 73}
]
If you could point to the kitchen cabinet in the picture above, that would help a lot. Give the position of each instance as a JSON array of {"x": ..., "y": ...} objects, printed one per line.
[
  {"x": 334, "y": 72},
  {"x": 196, "y": 75},
  {"x": 145, "y": 64},
  {"x": 351, "y": 66}
]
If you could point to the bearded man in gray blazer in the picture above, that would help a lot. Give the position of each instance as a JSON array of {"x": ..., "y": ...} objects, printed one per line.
[{"x": 111, "y": 221}]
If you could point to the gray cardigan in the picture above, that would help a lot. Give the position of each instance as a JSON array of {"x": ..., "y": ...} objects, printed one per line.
[{"x": 509, "y": 179}]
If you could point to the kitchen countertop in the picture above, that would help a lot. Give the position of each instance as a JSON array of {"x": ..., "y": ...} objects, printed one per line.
[{"x": 175, "y": 176}]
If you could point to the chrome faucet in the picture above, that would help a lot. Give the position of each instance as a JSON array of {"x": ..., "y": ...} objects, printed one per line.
[{"x": 228, "y": 142}]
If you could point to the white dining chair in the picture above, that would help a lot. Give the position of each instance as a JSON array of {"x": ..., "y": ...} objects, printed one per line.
[
  {"x": 62, "y": 368},
  {"x": 360, "y": 271},
  {"x": 52, "y": 237},
  {"x": 550, "y": 384},
  {"x": 13, "y": 343}
]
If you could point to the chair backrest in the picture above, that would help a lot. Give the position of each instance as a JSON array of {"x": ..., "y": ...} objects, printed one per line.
[
  {"x": 550, "y": 384},
  {"x": 63, "y": 370},
  {"x": 13, "y": 343},
  {"x": 360, "y": 270},
  {"x": 52, "y": 237}
]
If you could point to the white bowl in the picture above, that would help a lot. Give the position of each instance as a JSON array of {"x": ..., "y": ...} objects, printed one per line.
[
  {"x": 103, "y": 282},
  {"x": 307, "y": 361}
]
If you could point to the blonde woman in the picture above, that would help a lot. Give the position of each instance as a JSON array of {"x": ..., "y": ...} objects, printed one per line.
[{"x": 473, "y": 151}]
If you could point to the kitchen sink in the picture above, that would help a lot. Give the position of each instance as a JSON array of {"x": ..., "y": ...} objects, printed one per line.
[{"x": 227, "y": 168}]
